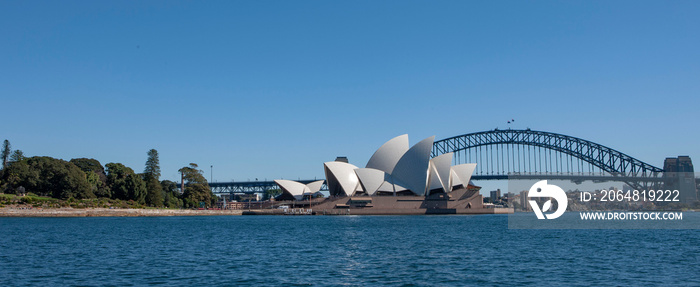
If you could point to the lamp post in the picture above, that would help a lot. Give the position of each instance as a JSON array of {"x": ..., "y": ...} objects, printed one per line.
[{"x": 211, "y": 174}]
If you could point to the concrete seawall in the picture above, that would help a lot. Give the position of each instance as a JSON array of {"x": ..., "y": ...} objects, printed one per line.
[{"x": 106, "y": 212}]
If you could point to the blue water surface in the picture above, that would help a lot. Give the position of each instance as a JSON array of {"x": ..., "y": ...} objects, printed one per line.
[{"x": 336, "y": 250}]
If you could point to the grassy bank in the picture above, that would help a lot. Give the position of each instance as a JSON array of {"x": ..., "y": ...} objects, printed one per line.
[
  {"x": 34, "y": 201},
  {"x": 37, "y": 206}
]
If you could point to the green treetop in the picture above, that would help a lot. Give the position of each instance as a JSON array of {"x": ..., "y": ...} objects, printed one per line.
[
  {"x": 197, "y": 189},
  {"x": 125, "y": 184},
  {"x": 16, "y": 156},
  {"x": 153, "y": 164},
  {"x": 154, "y": 191}
]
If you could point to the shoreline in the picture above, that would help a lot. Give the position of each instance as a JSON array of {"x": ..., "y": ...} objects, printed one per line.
[
  {"x": 134, "y": 212},
  {"x": 106, "y": 212}
]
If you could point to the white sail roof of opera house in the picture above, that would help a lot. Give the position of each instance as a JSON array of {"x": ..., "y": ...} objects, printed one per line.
[
  {"x": 411, "y": 169},
  {"x": 389, "y": 154},
  {"x": 315, "y": 186},
  {"x": 298, "y": 189},
  {"x": 341, "y": 178},
  {"x": 439, "y": 172},
  {"x": 393, "y": 168},
  {"x": 461, "y": 174},
  {"x": 372, "y": 179}
]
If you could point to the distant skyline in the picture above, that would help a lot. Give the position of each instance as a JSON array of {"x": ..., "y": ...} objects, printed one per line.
[{"x": 272, "y": 89}]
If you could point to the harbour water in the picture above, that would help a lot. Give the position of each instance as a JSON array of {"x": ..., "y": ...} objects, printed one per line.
[{"x": 337, "y": 250}]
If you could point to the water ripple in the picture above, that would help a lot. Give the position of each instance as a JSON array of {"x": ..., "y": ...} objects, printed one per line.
[{"x": 341, "y": 250}]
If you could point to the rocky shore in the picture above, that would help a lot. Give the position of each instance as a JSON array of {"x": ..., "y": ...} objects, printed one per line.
[{"x": 107, "y": 212}]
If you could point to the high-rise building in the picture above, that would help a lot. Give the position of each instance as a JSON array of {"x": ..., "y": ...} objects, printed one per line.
[
  {"x": 523, "y": 200},
  {"x": 495, "y": 195}
]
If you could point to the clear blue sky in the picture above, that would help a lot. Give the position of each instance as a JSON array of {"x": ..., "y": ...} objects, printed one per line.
[{"x": 272, "y": 89}]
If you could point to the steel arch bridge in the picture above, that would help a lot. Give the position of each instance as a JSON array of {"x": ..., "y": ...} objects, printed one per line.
[{"x": 502, "y": 152}]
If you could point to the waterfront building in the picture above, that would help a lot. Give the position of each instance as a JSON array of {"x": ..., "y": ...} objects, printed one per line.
[
  {"x": 395, "y": 169},
  {"x": 397, "y": 179}
]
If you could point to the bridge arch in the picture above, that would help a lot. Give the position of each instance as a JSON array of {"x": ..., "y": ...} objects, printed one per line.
[
  {"x": 506, "y": 143},
  {"x": 509, "y": 141}
]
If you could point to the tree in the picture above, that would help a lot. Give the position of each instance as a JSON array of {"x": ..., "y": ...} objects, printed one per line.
[
  {"x": 271, "y": 193},
  {"x": 16, "y": 156},
  {"x": 49, "y": 177},
  {"x": 152, "y": 164},
  {"x": 99, "y": 187},
  {"x": 6, "y": 149},
  {"x": 89, "y": 164},
  {"x": 197, "y": 189},
  {"x": 171, "y": 194},
  {"x": 154, "y": 192},
  {"x": 125, "y": 184},
  {"x": 136, "y": 188},
  {"x": 95, "y": 174}
]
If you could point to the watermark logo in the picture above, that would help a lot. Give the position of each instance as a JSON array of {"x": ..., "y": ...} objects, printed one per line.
[{"x": 542, "y": 189}]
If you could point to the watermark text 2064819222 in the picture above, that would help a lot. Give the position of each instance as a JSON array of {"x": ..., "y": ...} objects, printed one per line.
[{"x": 543, "y": 201}]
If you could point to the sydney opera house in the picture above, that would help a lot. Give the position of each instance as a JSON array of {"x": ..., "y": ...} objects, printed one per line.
[{"x": 396, "y": 180}]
